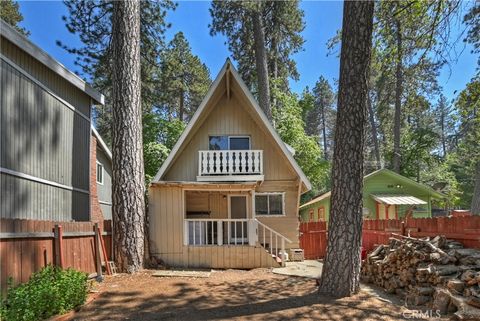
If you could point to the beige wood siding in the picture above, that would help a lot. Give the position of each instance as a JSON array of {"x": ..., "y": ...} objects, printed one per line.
[
  {"x": 229, "y": 117},
  {"x": 166, "y": 237},
  {"x": 287, "y": 225}
]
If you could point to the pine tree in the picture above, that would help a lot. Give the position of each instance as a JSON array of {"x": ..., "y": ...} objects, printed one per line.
[
  {"x": 92, "y": 22},
  {"x": 184, "y": 79},
  {"x": 324, "y": 114},
  {"x": 10, "y": 13},
  {"x": 128, "y": 189},
  {"x": 410, "y": 55},
  {"x": 341, "y": 271},
  {"x": 283, "y": 23}
]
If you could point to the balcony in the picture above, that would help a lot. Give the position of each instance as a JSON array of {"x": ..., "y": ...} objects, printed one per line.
[{"x": 230, "y": 165}]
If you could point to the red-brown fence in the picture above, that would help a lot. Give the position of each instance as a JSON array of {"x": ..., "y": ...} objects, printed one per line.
[
  {"x": 313, "y": 239},
  {"x": 26, "y": 246},
  {"x": 465, "y": 229}
]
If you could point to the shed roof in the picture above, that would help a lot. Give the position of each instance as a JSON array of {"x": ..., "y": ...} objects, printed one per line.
[
  {"x": 393, "y": 199},
  {"x": 41, "y": 56}
]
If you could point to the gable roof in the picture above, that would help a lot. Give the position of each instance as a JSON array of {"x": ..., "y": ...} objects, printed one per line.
[
  {"x": 405, "y": 180},
  {"x": 316, "y": 199},
  {"x": 228, "y": 70},
  {"x": 102, "y": 143},
  {"x": 384, "y": 171},
  {"x": 41, "y": 56}
]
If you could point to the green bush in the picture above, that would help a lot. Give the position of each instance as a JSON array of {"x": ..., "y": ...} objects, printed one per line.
[{"x": 49, "y": 292}]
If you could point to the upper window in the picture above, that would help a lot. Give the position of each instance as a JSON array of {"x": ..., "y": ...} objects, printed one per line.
[
  {"x": 99, "y": 173},
  {"x": 269, "y": 204},
  {"x": 229, "y": 143}
]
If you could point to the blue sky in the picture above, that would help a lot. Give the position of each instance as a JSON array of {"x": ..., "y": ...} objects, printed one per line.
[{"x": 323, "y": 18}]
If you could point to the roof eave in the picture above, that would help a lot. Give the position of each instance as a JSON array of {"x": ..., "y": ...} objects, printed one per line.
[{"x": 37, "y": 53}]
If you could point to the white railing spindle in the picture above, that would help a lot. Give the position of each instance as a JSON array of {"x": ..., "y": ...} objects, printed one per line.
[{"x": 230, "y": 162}]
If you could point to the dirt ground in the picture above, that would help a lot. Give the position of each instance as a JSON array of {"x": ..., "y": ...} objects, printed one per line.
[{"x": 228, "y": 295}]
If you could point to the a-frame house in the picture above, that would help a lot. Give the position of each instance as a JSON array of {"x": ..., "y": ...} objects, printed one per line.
[{"x": 227, "y": 195}]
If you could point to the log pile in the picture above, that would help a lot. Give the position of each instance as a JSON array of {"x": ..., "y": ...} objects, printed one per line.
[{"x": 437, "y": 272}]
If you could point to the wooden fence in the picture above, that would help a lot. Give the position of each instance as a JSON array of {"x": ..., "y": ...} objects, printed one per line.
[
  {"x": 27, "y": 245},
  {"x": 465, "y": 229},
  {"x": 313, "y": 239}
]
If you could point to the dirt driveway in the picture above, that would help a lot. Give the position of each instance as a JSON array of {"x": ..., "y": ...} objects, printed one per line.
[{"x": 228, "y": 295}]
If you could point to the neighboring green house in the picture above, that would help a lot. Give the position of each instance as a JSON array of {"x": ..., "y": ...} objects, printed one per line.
[{"x": 386, "y": 195}]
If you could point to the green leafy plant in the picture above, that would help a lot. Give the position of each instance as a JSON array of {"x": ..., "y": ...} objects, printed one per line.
[{"x": 49, "y": 292}]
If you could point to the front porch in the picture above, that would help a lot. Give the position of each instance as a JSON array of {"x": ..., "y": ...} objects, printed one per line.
[{"x": 227, "y": 219}]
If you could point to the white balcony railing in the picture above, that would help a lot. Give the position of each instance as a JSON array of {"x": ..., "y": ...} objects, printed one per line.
[
  {"x": 201, "y": 232},
  {"x": 230, "y": 162}
]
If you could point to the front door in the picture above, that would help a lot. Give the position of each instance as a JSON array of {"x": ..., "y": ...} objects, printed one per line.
[{"x": 238, "y": 210}]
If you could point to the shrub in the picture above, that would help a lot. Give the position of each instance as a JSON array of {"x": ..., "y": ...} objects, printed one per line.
[{"x": 49, "y": 292}]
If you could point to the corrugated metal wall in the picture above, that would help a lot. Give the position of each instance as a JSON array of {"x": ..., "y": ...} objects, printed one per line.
[{"x": 44, "y": 138}]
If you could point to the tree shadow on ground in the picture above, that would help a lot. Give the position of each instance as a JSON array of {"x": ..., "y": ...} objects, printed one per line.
[{"x": 280, "y": 298}]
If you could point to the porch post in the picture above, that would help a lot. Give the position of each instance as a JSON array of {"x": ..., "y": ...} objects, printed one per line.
[
  {"x": 252, "y": 232},
  {"x": 185, "y": 232},
  {"x": 220, "y": 233}
]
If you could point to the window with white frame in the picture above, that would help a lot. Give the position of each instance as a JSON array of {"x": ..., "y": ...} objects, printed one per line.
[
  {"x": 99, "y": 173},
  {"x": 269, "y": 204}
]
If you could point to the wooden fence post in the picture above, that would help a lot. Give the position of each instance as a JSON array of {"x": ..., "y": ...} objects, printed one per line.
[
  {"x": 104, "y": 251},
  {"x": 98, "y": 261},
  {"x": 58, "y": 244}
]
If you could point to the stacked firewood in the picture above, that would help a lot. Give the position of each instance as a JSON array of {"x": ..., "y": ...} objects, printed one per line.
[{"x": 436, "y": 272}]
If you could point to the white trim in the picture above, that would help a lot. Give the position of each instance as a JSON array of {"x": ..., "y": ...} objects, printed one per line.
[
  {"x": 189, "y": 127},
  {"x": 228, "y": 139},
  {"x": 38, "y": 83},
  {"x": 268, "y": 204},
  {"x": 231, "y": 178},
  {"x": 105, "y": 203},
  {"x": 102, "y": 143},
  {"x": 273, "y": 132},
  {"x": 229, "y": 67},
  {"x": 103, "y": 172},
  {"x": 41, "y": 180},
  {"x": 41, "y": 56}
]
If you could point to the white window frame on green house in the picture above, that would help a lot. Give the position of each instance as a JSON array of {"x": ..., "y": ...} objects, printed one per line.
[
  {"x": 268, "y": 194},
  {"x": 101, "y": 175}
]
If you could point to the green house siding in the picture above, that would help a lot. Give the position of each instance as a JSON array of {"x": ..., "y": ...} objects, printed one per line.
[
  {"x": 383, "y": 182},
  {"x": 305, "y": 212}
]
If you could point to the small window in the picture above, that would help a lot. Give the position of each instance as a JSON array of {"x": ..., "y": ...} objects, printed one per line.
[
  {"x": 321, "y": 214},
  {"x": 99, "y": 173},
  {"x": 218, "y": 143},
  {"x": 229, "y": 143},
  {"x": 269, "y": 204},
  {"x": 239, "y": 143}
]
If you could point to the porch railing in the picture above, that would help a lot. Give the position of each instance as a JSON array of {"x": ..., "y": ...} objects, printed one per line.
[
  {"x": 272, "y": 241},
  {"x": 230, "y": 162},
  {"x": 201, "y": 232}
]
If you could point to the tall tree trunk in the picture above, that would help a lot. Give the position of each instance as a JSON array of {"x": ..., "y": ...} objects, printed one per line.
[
  {"x": 373, "y": 126},
  {"x": 181, "y": 105},
  {"x": 261, "y": 62},
  {"x": 442, "y": 124},
  {"x": 324, "y": 134},
  {"x": 475, "y": 208},
  {"x": 398, "y": 101},
  {"x": 128, "y": 173},
  {"x": 341, "y": 271}
]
